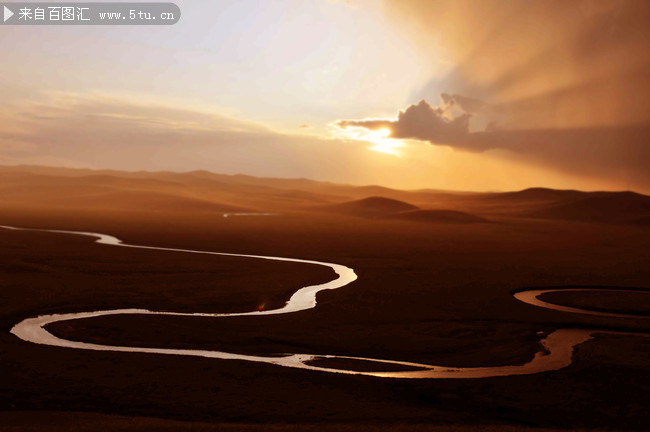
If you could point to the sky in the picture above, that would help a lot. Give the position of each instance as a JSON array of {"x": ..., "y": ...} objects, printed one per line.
[{"x": 461, "y": 95}]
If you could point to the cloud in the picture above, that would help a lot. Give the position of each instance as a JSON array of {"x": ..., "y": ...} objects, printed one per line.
[
  {"x": 545, "y": 64},
  {"x": 110, "y": 131},
  {"x": 467, "y": 104},
  {"x": 422, "y": 122},
  {"x": 606, "y": 152},
  {"x": 122, "y": 132},
  {"x": 567, "y": 82},
  {"x": 128, "y": 133}
]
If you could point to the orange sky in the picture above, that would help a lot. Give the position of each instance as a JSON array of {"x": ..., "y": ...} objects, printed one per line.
[{"x": 469, "y": 95}]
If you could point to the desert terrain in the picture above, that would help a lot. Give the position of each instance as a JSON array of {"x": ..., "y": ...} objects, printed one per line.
[{"x": 436, "y": 275}]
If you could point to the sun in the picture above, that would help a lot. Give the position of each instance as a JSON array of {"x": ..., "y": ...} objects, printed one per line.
[{"x": 384, "y": 144}]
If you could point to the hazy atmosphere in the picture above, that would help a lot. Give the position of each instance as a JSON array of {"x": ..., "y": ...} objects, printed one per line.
[
  {"x": 461, "y": 95},
  {"x": 319, "y": 215}
]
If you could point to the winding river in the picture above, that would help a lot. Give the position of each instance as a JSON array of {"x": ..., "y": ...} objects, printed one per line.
[{"x": 556, "y": 353}]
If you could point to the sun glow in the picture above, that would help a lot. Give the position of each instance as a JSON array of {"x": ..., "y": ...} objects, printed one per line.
[{"x": 380, "y": 139}]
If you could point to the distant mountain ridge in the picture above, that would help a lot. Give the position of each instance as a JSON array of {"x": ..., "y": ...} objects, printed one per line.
[{"x": 42, "y": 188}]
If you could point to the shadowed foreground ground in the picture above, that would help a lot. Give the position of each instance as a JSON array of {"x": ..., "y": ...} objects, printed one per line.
[
  {"x": 85, "y": 422},
  {"x": 435, "y": 293}
]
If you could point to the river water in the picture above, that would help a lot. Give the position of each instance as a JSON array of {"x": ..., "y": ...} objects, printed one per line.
[{"x": 556, "y": 348}]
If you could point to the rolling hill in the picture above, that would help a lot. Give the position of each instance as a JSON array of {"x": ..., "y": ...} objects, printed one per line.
[
  {"x": 371, "y": 207},
  {"x": 604, "y": 207}
]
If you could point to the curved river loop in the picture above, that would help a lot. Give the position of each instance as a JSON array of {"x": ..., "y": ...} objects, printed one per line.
[{"x": 556, "y": 353}]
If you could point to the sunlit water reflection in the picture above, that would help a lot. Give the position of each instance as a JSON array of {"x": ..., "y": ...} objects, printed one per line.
[{"x": 556, "y": 348}]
